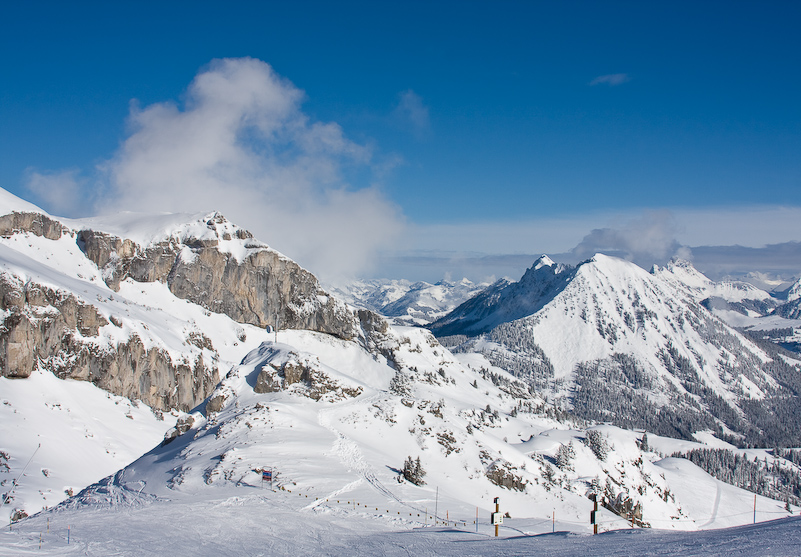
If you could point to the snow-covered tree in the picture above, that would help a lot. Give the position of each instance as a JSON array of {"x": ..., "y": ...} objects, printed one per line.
[
  {"x": 565, "y": 456},
  {"x": 597, "y": 444},
  {"x": 644, "y": 443},
  {"x": 413, "y": 471}
]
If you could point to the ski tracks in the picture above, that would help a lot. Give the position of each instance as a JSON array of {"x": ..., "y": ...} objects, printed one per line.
[
  {"x": 715, "y": 506},
  {"x": 349, "y": 453}
]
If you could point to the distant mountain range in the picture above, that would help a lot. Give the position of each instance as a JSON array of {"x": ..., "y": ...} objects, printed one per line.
[{"x": 409, "y": 303}]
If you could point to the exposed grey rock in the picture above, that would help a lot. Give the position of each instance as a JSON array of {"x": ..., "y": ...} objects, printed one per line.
[
  {"x": 311, "y": 381},
  {"x": 183, "y": 425},
  {"x": 264, "y": 288},
  {"x": 215, "y": 403},
  {"x": 35, "y": 223},
  {"x": 53, "y": 329}
]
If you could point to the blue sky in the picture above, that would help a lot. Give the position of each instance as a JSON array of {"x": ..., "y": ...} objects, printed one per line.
[{"x": 473, "y": 128}]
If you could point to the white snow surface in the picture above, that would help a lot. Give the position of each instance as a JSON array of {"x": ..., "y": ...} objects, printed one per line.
[
  {"x": 10, "y": 203},
  {"x": 72, "y": 433},
  {"x": 335, "y": 441},
  {"x": 262, "y": 522},
  {"x": 682, "y": 274},
  {"x": 336, "y": 460},
  {"x": 336, "y": 489}
]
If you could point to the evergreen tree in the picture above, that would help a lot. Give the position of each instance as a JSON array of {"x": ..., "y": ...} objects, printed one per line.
[
  {"x": 413, "y": 471},
  {"x": 597, "y": 444},
  {"x": 564, "y": 456}
]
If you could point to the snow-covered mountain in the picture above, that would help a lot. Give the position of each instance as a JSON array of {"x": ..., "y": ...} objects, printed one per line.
[
  {"x": 153, "y": 308},
  {"x": 791, "y": 309},
  {"x": 408, "y": 303},
  {"x": 372, "y": 294},
  {"x": 616, "y": 343},
  {"x": 337, "y": 428},
  {"x": 506, "y": 301},
  {"x": 774, "y": 317},
  {"x": 721, "y": 297},
  {"x": 154, "y": 333}
]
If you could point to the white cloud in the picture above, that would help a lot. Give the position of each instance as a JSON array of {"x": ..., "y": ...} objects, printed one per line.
[
  {"x": 611, "y": 79},
  {"x": 242, "y": 145},
  {"x": 60, "y": 193},
  {"x": 413, "y": 112},
  {"x": 644, "y": 240}
]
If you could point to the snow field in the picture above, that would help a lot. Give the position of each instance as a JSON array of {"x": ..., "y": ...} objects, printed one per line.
[
  {"x": 342, "y": 457},
  {"x": 267, "y": 523},
  {"x": 85, "y": 434}
]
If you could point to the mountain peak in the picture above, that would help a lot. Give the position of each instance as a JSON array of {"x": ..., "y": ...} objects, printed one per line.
[{"x": 543, "y": 261}]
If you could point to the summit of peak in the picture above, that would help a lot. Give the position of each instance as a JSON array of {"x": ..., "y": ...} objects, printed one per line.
[{"x": 543, "y": 261}]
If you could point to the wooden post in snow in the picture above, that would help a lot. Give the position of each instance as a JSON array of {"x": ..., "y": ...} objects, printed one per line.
[{"x": 497, "y": 511}]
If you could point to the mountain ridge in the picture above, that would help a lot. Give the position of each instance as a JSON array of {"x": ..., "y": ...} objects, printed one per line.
[{"x": 655, "y": 346}]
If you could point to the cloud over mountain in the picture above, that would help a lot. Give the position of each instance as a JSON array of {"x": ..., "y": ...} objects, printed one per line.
[
  {"x": 240, "y": 143},
  {"x": 642, "y": 240}
]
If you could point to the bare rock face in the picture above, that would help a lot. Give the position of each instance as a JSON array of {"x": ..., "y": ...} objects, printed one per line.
[
  {"x": 54, "y": 330},
  {"x": 261, "y": 287},
  {"x": 35, "y": 223},
  {"x": 303, "y": 377},
  {"x": 209, "y": 262}
]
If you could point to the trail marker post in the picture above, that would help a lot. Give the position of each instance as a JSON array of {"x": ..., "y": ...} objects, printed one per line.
[
  {"x": 594, "y": 513},
  {"x": 497, "y": 518}
]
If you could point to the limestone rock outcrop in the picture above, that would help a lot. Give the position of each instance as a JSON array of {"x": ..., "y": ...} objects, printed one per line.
[
  {"x": 303, "y": 376},
  {"x": 207, "y": 261},
  {"x": 35, "y": 223},
  {"x": 55, "y": 330},
  {"x": 247, "y": 281}
]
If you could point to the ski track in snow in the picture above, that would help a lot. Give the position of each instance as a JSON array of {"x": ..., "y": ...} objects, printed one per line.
[
  {"x": 350, "y": 454},
  {"x": 714, "y": 507}
]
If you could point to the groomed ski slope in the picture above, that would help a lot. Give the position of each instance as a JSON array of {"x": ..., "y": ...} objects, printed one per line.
[{"x": 260, "y": 522}]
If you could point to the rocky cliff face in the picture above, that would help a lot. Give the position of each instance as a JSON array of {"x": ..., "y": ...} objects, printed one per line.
[
  {"x": 54, "y": 330},
  {"x": 35, "y": 223},
  {"x": 254, "y": 284},
  {"x": 208, "y": 261}
]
